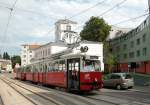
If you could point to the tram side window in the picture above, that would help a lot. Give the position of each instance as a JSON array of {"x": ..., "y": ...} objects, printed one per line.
[
  {"x": 45, "y": 68},
  {"x": 28, "y": 69},
  {"x": 56, "y": 67},
  {"x": 77, "y": 66},
  {"x": 62, "y": 66},
  {"x": 36, "y": 69},
  {"x": 40, "y": 68},
  {"x": 49, "y": 67},
  {"x": 52, "y": 67},
  {"x": 97, "y": 66},
  {"x": 91, "y": 65}
]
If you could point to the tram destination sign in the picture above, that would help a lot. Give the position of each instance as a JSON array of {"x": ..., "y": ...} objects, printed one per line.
[{"x": 93, "y": 57}]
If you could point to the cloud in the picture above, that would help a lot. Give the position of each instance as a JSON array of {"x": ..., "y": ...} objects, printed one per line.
[{"x": 32, "y": 20}]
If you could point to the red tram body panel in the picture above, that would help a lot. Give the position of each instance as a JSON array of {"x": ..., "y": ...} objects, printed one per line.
[
  {"x": 36, "y": 77},
  {"x": 40, "y": 77},
  {"x": 18, "y": 75},
  {"x": 23, "y": 76},
  {"x": 90, "y": 80},
  {"x": 56, "y": 79},
  {"x": 29, "y": 76}
]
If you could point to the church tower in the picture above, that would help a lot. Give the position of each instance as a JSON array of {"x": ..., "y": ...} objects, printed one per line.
[{"x": 64, "y": 31}]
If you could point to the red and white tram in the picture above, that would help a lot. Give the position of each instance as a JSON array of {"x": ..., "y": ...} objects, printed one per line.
[{"x": 76, "y": 72}]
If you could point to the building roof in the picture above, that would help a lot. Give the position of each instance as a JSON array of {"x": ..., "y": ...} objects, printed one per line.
[
  {"x": 65, "y": 21},
  {"x": 117, "y": 32},
  {"x": 59, "y": 43},
  {"x": 32, "y": 46},
  {"x": 4, "y": 60}
]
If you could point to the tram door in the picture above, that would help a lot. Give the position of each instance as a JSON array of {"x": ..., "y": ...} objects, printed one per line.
[{"x": 73, "y": 74}]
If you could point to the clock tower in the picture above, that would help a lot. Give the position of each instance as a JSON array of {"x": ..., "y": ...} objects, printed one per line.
[{"x": 64, "y": 31}]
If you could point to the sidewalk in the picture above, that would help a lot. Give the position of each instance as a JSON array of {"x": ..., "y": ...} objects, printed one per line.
[
  {"x": 144, "y": 89},
  {"x": 141, "y": 79},
  {"x": 11, "y": 97}
]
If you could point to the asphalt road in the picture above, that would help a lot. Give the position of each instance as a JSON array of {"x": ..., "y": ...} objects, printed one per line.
[{"x": 136, "y": 96}]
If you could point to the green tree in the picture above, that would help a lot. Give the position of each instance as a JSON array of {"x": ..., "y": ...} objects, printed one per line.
[
  {"x": 15, "y": 59},
  {"x": 6, "y": 56},
  {"x": 0, "y": 56},
  {"x": 96, "y": 29},
  {"x": 110, "y": 59}
]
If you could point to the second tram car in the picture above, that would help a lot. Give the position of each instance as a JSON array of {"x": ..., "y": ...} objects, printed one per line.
[{"x": 76, "y": 72}]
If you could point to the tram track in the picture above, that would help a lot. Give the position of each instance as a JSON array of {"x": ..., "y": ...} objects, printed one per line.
[
  {"x": 17, "y": 92},
  {"x": 70, "y": 97},
  {"x": 8, "y": 82},
  {"x": 60, "y": 98},
  {"x": 84, "y": 99},
  {"x": 130, "y": 98}
]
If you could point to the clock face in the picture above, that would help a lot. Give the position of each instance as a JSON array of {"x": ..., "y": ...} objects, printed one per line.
[
  {"x": 70, "y": 37},
  {"x": 65, "y": 37}
]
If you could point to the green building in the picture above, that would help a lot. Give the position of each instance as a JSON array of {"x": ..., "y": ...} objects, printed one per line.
[{"x": 132, "y": 49}]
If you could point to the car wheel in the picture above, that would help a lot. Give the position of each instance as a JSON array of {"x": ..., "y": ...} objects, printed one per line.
[{"x": 118, "y": 87}]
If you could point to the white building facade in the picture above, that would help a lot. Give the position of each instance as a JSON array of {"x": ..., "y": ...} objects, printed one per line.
[
  {"x": 27, "y": 53},
  {"x": 5, "y": 65},
  {"x": 64, "y": 31},
  {"x": 48, "y": 49}
]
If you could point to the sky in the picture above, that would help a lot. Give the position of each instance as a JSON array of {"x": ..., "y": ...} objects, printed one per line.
[{"x": 32, "y": 21}]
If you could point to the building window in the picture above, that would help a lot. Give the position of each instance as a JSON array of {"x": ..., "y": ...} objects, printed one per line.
[
  {"x": 124, "y": 46},
  {"x": 118, "y": 57},
  {"x": 138, "y": 41},
  {"x": 125, "y": 56},
  {"x": 131, "y": 54},
  {"x": 24, "y": 46},
  {"x": 132, "y": 44},
  {"x": 30, "y": 56},
  {"x": 68, "y": 28},
  {"x": 118, "y": 48},
  {"x": 30, "y": 51},
  {"x": 138, "y": 53},
  {"x": 144, "y": 37},
  {"x": 144, "y": 51},
  {"x": 24, "y": 60},
  {"x": 24, "y": 56}
]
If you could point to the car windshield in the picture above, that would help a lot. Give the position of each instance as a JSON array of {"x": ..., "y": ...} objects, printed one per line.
[
  {"x": 91, "y": 65},
  {"x": 127, "y": 76}
]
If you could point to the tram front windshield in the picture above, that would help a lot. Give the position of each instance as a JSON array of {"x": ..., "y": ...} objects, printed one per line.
[{"x": 91, "y": 65}]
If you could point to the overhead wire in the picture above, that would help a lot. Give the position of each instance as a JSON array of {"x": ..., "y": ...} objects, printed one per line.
[
  {"x": 83, "y": 11},
  {"x": 7, "y": 25},
  {"x": 131, "y": 19},
  {"x": 28, "y": 11},
  {"x": 87, "y": 9},
  {"x": 110, "y": 9},
  {"x": 9, "y": 18},
  {"x": 117, "y": 5}
]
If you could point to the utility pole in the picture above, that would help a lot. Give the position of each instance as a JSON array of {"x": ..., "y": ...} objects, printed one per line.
[{"x": 149, "y": 6}]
